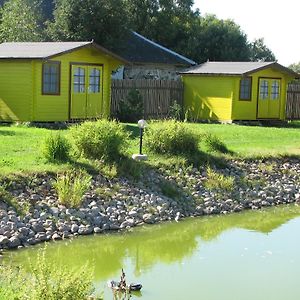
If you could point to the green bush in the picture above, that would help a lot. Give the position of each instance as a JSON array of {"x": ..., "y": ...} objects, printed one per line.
[
  {"x": 56, "y": 148},
  {"x": 45, "y": 281},
  {"x": 71, "y": 186},
  {"x": 103, "y": 139},
  {"x": 171, "y": 137},
  {"x": 214, "y": 144},
  {"x": 175, "y": 111},
  {"x": 218, "y": 182},
  {"x": 131, "y": 109}
]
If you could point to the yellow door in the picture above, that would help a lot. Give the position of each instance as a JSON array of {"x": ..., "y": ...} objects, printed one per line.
[
  {"x": 94, "y": 95},
  {"x": 86, "y": 92},
  {"x": 269, "y": 98},
  {"x": 78, "y": 92},
  {"x": 274, "y": 102}
]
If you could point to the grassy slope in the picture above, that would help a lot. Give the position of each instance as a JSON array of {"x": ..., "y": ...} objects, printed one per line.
[{"x": 20, "y": 147}]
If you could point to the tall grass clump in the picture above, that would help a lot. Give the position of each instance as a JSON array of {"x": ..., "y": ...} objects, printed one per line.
[
  {"x": 56, "y": 148},
  {"x": 171, "y": 137},
  {"x": 103, "y": 140},
  {"x": 45, "y": 281},
  {"x": 71, "y": 186},
  {"x": 214, "y": 144},
  {"x": 218, "y": 182}
]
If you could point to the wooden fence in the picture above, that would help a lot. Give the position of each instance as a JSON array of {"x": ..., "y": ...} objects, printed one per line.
[
  {"x": 293, "y": 102},
  {"x": 158, "y": 95}
]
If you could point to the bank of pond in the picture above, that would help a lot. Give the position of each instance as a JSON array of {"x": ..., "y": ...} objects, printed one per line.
[{"x": 249, "y": 255}]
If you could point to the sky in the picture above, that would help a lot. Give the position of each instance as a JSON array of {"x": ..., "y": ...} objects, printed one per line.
[{"x": 275, "y": 21}]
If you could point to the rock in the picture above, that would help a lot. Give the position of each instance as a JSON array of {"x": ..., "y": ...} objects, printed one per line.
[
  {"x": 56, "y": 237},
  {"x": 114, "y": 227},
  {"x": 97, "y": 230},
  {"x": 14, "y": 242},
  {"x": 38, "y": 227},
  {"x": 148, "y": 218},
  {"x": 85, "y": 230},
  {"x": 54, "y": 211},
  {"x": 177, "y": 217},
  {"x": 3, "y": 240},
  {"x": 127, "y": 223},
  {"x": 74, "y": 228}
]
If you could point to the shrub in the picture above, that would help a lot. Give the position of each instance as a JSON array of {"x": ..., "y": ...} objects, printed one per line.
[
  {"x": 171, "y": 137},
  {"x": 106, "y": 140},
  {"x": 56, "y": 148},
  {"x": 45, "y": 281},
  {"x": 176, "y": 111},
  {"x": 169, "y": 190},
  {"x": 218, "y": 182},
  {"x": 7, "y": 197},
  {"x": 214, "y": 144},
  {"x": 131, "y": 109},
  {"x": 71, "y": 187}
]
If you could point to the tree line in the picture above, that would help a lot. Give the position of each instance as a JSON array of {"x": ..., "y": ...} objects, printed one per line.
[{"x": 172, "y": 23}]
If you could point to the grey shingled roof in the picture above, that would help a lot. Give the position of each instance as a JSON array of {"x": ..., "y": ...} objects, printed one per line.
[
  {"x": 43, "y": 50},
  {"x": 235, "y": 68},
  {"x": 139, "y": 50}
]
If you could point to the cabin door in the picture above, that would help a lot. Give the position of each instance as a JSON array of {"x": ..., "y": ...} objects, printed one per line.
[
  {"x": 269, "y": 94},
  {"x": 86, "y": 91}
]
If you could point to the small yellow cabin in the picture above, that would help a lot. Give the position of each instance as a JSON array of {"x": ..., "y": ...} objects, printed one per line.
[
  {"x": 55, "y": 81},
  {"x": 228, "y": 91}
]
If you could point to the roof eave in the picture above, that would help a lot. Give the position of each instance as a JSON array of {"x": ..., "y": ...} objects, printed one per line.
[
  {"x": 211, "y": 74},
  {"x": 90, "y": 44},
  {"x": 276, "y": 66}
]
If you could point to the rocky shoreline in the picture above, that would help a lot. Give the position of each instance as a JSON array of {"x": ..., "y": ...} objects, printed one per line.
[{"x": 160, "y": 195}]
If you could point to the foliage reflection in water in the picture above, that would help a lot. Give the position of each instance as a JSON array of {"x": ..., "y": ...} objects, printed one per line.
[{"x": 239, "y": 253}]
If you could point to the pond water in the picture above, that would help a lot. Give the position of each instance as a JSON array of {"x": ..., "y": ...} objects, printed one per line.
[{"x": 250, "y": 255}]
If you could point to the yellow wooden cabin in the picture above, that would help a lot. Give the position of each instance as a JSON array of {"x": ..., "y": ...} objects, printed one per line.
[
  {"x": 56, "y": 81},
  {"x": 228, "y": 91}
]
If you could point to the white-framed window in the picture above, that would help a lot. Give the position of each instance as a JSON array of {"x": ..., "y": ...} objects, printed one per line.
[
  {"x": 79, "y": 80},
  {"x": 51, "y": 78},
  {"x": 245, "y": 88},
  {"x": 275, "y": 90},
  {"x": 264, "y": 89},
  {"x": 94, "y": 81}
]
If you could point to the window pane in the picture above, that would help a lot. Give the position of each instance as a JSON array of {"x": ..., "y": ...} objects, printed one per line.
[
  {"x": 264, "y": 89},
  {"x": 245, "y": 88},
  {"x": 79, "y": 80},
  {"x": 51, "y": 78},
  {"x": 94, "y": 81},
  {"x": 275, "y": 90}
]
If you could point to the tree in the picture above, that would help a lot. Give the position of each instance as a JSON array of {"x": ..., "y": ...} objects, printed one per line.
[
  {"x": 216, "y": 40},
  {"x": 105, "y": 21},
  {"x": 167, "y": 22},
  {"x": 21, "y": 20},
  {"x": 295, "y": 67},
  {"x": 260, "y": 52}
]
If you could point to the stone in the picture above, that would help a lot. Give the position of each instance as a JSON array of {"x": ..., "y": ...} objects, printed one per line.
[
  {"x": 148, "y": 218},
  {"x": 3, "y": 240},
  {"x": 14, "y": 242},
  {"x": 56, "y": 237},
  {"x": 97, "y": 230},
  {"x": 74, "y": 228}
]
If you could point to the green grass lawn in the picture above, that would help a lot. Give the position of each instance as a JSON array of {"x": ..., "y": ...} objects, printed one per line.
[
  {"x": 20, "y": 150},
  {"x": 20, "y": 146},
  {"x": 256, "y": 140}
]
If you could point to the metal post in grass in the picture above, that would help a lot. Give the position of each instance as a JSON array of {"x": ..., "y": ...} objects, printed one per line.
[{"x": 142, "y": 125}]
